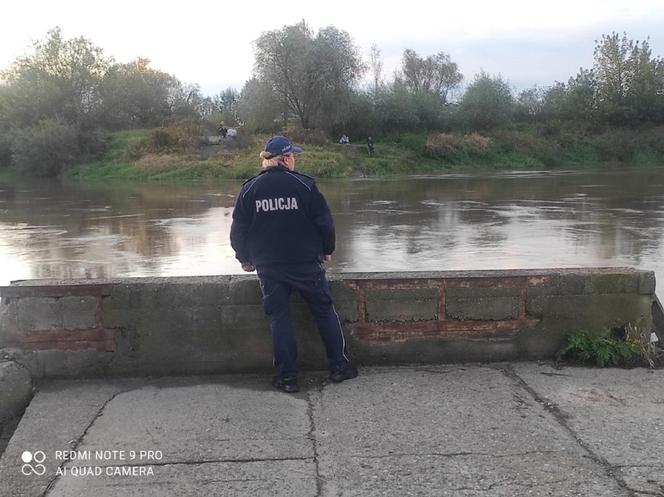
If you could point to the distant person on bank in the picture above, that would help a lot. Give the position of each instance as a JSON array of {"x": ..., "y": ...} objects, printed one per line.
[
  {"x": 370, "y": 146},
  {"x": 282, "y": 228},
  {"x": 223, "y": 131}
]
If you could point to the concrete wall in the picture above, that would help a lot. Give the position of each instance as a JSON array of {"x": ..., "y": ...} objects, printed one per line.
[{"x": 215, "y": 324}]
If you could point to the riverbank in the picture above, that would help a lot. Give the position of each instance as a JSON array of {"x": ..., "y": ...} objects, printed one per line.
[
  {"x": 154, "y": 155},
  {"x": 232, "y": 160},
  {"x": 8, "y": 176}
]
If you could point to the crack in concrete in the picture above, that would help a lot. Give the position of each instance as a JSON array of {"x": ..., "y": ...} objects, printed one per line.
[
  {"x": 561, "y": 418},
  {"x": 214, "y": 461},
  {"x": 78, "y": 441},
  {"x": 438, "y": 371},
  {"x": 457, "y": 454},
  {"x": 231, "y": 480},
  {"x": 202, "y": 481},
  {"x": 648, "y": 492},
  {"x": 510, "y": 483},
  {"x": 407, "y": 454},
  {"x": 314, "y": 442}
]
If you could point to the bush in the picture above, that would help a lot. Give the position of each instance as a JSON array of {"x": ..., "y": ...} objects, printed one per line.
[
  {"x": 5, "y": 149},
  {"x": 161, "y": 140},
  {"x": 395, "y": 110},
  {"x": 361, "y": 120},
  {"x": 640, "y": 337},
  {"x": 179, "y": 136},
  {"x": 448, "y": 144},
  {"x": 242, "y": 140},
  {"x": 137, "y": 148},
  {"x": 616, "y": 145},
  {"x": 600, "y": 350},
  {"x": 531, "y": 145},
  {"x": 45, "y": 149},
  {"x": 92, "y": 142},
  {"x": 654, "y": 138},
  {"x": 413, "y": 141},
  {"x": 487, "y": 103},
  {"x": 303, "y": 136}
]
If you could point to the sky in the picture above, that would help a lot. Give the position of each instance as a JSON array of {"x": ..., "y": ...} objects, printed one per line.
[{"x": 210, "y": 42}]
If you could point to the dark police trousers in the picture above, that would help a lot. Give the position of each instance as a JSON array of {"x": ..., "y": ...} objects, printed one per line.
[{"x": 277, "y": 282}]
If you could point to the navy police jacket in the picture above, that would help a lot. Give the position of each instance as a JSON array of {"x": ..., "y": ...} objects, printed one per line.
[{"x": 280, "y": 217}]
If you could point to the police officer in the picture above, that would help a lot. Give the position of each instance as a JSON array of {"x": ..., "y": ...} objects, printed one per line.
[{"x": 282, "y": 228}]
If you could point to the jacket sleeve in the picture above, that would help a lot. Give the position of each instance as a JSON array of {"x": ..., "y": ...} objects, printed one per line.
[
  {"x": 322, "y": 219},
  {"x": 240, "y": 229}
]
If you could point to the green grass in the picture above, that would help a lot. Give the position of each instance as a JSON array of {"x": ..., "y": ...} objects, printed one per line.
[
  {"x": 120, "y": 140},
  {"x": 512, "y": 149},
  {"x": 8, "y": 175}
]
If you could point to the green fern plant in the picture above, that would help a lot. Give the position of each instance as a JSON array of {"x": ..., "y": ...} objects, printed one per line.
[{"x": 600, "y": 350}]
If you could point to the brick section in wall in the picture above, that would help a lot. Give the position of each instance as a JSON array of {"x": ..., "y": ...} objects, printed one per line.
[
  {"x": 407, "y": 330},
  {"x": 66, "y": 322},
  {"x": 399, "y": 310},
  {"x": 97, "y": 339}
]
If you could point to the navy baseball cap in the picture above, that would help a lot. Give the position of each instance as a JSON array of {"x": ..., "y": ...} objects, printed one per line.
[{"x": 280, "y": 145}]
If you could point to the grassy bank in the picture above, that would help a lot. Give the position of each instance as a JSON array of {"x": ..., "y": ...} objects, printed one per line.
[
  {"x": 142, "y": 155},
  {"x": 8, "y": 175},
  {"x": 230, "y": 162}
]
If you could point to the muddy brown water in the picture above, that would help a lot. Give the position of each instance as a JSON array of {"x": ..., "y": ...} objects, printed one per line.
[{"x": 456, "y": 221}]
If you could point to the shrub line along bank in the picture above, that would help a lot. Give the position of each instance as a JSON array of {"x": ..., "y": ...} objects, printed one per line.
[{"x": 163, "y": 155}]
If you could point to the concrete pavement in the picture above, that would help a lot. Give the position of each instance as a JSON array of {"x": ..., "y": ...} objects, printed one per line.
[{"x": 454, "y": 430}]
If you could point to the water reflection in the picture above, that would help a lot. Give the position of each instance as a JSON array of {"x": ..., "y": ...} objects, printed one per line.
[{"x": 444, "y": 222}]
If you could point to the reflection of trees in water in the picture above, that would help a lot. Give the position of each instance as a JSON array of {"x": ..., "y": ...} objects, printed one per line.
[
  {"x": 608, "y": 214},
  {"x": 77, "y": 232},
  {"x": 394, "y": 223}
]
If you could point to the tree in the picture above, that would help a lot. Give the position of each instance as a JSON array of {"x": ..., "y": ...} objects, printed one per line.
[
  {"x": 630, "y": 82},
  {"x": 436, "y": 74},
  {"x": 308, "y": 74},
  {"x": 226, "y": 104},
  {"x": 361, "y": 119},
  {"x": 396, "y": 110},
  {"x": 581, "y": 102},
  {"x": 135, "y": 95},
  {"x": 5, "y": 137},
  {"x": 44, "y": 149},
  {"x": 611, "y": 68},
  {"x": 187, "y": 102},
  {"x": 645, "y": 91},
  {"x": 257, "y": 107},
  {"x": 554, "y": 101},
  {"x": 488, "y": 102},
  {"x": 376, "y": 66},
  {"x": 574, "y": 101},
  {"x": 61, "y": 78},
  {"x": 529, "y": 104}
]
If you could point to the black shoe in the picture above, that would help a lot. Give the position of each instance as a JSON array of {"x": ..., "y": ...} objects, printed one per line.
[
  {"x": 288, "y": 385},
  {"x": 348, "y": 372}
]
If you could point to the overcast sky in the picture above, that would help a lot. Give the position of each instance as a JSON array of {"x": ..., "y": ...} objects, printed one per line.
[{"x": 210, "y": 42}]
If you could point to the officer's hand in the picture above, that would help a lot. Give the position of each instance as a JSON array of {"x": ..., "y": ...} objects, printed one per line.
[
  {"x": 248, "y": 267},
  {"x": 327, "y": 258}
]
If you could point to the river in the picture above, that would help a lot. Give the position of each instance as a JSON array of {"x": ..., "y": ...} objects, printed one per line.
[{"x": 455, "y": 221}]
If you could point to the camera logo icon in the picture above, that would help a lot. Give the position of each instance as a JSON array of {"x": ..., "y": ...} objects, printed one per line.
[{"x": 33, "y": 463}]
